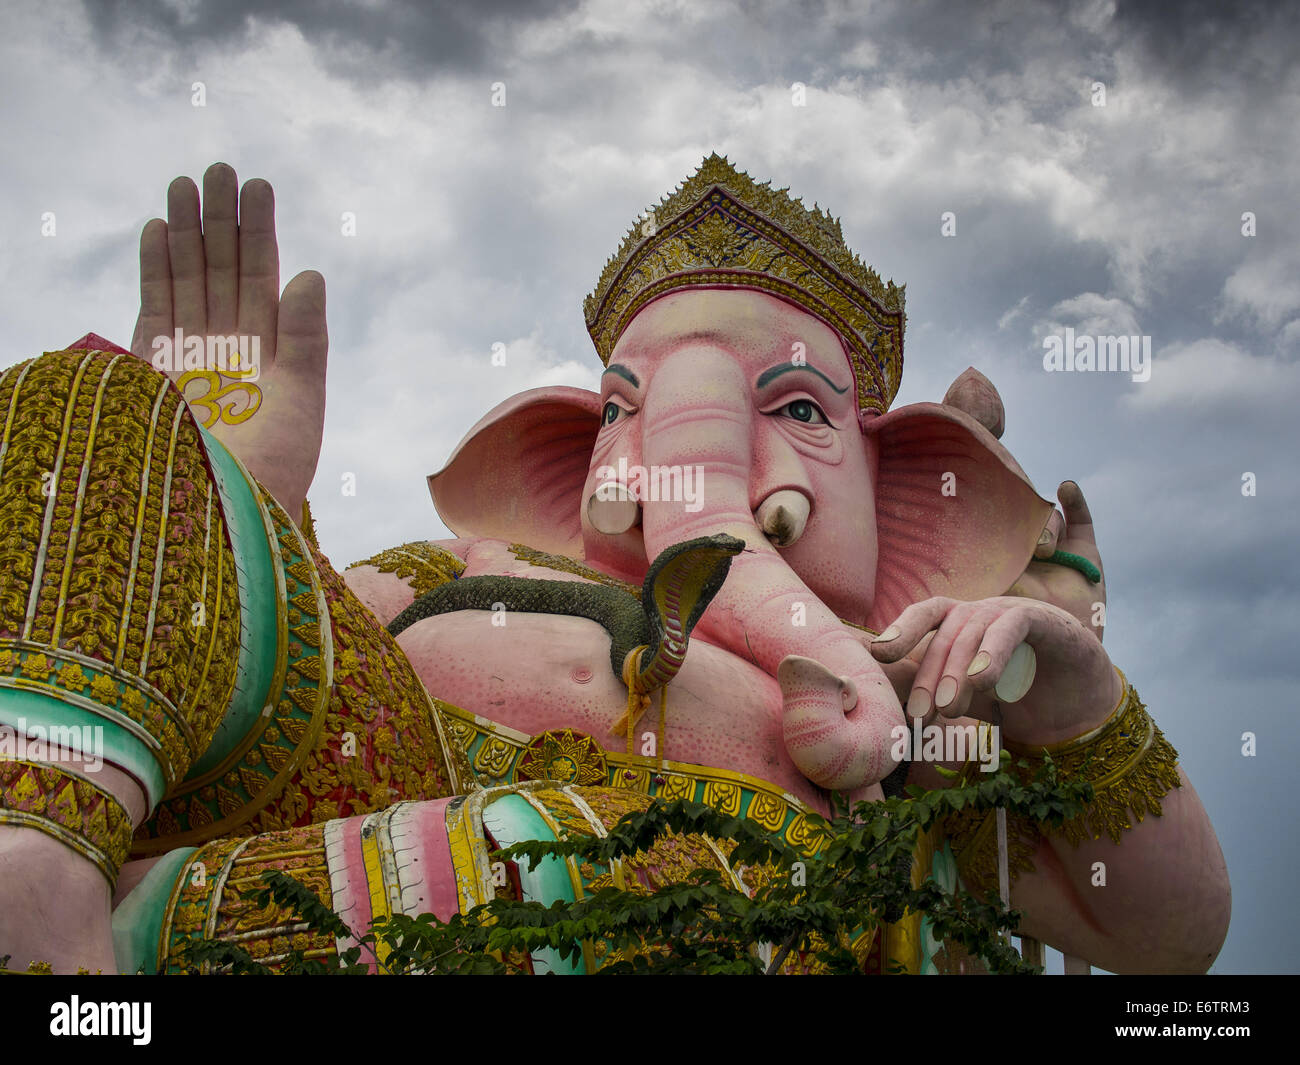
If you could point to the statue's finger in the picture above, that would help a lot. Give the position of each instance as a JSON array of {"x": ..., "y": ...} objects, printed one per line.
[
  {"x": 1078, "y": 518},
  {"x": 952, "y": 695},
  {"x": 992, "y": 669},
  {"x": 947, "y": 619},
  {"x": 259, "y": 266},
  {"x": 185, "y": 251},
  {"x": 302, "y": 343},
  {"x": 221, "y": 247},
  {"x": 155, "y": 289},
  {"x": 909, "y": 628}
]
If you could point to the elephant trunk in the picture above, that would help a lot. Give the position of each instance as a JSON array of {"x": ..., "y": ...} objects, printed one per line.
[{"x": 839, "y": 709}]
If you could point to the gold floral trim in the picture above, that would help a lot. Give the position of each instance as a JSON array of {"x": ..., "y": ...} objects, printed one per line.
[
  {"x": 224, "y": 800},
  {"x": 308, "y": 526},
  {"x": 214, "y": 898},
  {"x": 118, "y": 698},
  {"x": 353, "y": 731},
  {"x": 973, "y": 836},
  {"x": 188, "y": 909},
  {"x": 563, "y": 755},
  {"x": 498, "y": 754},
  {"x": 68, "y": 807},
  {"x": 424, "y": 564},
  {"x": 577, "y": 810},
  {"x": 397, "y": 748}
]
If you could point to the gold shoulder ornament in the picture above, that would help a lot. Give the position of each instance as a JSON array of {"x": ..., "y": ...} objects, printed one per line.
[{"x": 425, "y": 565}]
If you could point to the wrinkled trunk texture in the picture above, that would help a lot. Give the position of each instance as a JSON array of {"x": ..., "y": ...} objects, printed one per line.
[{"x": 839, "y": 708}]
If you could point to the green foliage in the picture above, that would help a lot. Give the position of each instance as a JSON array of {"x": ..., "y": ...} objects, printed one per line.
[
  {"x": 399, "y": 944},
  {"x": 859, "y": 878}
]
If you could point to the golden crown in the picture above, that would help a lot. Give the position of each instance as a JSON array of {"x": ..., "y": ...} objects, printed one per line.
[{"x": 722, "y": 229}]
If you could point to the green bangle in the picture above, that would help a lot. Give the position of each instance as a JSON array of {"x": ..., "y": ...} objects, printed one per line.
[{"x": 1064, "y": 558}]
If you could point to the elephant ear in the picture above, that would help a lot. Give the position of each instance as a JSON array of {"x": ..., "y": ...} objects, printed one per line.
[
  {"x": 971, "y": 543},
  {"x": 518, "y": 474}
]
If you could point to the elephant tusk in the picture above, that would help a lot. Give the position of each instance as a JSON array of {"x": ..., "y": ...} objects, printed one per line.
[
  {"x": 783, "y": 516},
  {"x": 612, "y": 509}
]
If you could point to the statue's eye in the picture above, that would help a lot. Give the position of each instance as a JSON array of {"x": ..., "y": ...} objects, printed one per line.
[
  {"x": 610, "y": 414},
  {"x": 804, "y": 410}
]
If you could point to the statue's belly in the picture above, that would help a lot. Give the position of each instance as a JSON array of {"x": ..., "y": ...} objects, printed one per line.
[{"x": 542, "y": 671}]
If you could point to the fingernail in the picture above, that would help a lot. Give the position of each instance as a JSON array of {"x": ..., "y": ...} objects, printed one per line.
[
  {"x": 918, "y": 703},
  {"x": 1045, "y": 537},
  {"x": 891, "y": 633},
  {"x": 946, "y": 692},
  {"x": 979, "y": 663}
]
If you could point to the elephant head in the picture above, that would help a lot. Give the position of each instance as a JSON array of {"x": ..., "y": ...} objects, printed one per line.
[
  {"x": 751, "y": 358},
  {"x": 843, "y": 516}
]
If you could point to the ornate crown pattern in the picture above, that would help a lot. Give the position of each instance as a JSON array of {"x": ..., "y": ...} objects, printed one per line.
[{"x": 722, "y": 229}]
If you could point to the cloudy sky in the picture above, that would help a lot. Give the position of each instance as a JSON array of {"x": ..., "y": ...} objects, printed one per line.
[{"x": 1114, "y": 210}]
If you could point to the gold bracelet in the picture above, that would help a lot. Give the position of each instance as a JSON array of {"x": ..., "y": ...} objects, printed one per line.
[
  {"x": 68, "y": 807},
  {"x": 1084, "y": 740},
  {"x": 1126, "y": 759},
  {"x": 1130, "y": 765}
]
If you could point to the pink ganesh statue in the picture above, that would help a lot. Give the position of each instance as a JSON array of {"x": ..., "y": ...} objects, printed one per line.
[{"x": 736, "y": 532}]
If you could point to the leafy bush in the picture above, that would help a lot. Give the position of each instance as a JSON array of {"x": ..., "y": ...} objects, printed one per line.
[{"x": 813, "y": 906}]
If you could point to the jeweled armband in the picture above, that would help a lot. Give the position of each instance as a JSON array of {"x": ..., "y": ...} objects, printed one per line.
[
  {"x": 1126, "y": 759},
  {"x": 68, "y": 807},
  {"x": 1130, "y": 765}
]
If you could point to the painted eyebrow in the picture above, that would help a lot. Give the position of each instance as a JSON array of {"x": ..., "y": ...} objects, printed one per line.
[
  {"x": 780, "y": 368},
  {"x": 625, "y": 373}
]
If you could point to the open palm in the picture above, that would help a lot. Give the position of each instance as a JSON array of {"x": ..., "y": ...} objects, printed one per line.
[{"x": 219, "y": 275}]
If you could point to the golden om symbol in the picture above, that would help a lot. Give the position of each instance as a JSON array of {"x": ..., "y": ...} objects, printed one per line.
[{"x": 231, "y": 412}]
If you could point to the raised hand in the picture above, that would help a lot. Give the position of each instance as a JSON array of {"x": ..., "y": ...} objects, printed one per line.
[
  {"x": 218, "y": 276},
  {"x": 1065, "y": 585},
  {"x": 1072, "y": 534}
]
